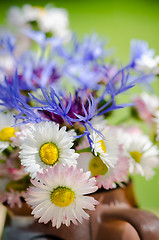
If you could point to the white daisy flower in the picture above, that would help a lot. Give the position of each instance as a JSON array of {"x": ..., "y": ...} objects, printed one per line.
[
  {"x": 107, "y": 147},
  {"x": 142, "y": 154},
  {"x": 20, "y": 135},
  {"x": 45, "y": 145},
  {"x": 105, "y": 177},
  {"x": 146, "y": 106},
  {"x": 55, "y": 20},
  {"x": 115, "y": 175},
  {"x": 48, "y": 19},
  {"x": 58, "y": 195},
  {"x": 6, "y": 130},
  {"x": 148, "y": 64},
  {"x": 21, "y": 16}
]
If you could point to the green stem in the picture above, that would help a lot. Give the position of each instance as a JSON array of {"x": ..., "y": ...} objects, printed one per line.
[{"x": 84, "y": 150}]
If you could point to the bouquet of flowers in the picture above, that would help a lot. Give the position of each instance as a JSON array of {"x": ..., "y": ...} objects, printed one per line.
[{"x": 58, "y": 100}]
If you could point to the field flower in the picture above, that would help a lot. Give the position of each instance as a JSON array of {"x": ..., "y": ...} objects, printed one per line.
[
  {"x": 58, "y": 195},
  {"x": 146, "y": 106},
  {"x": 46, "y": 145},
  {"x": 106, "y": 147},
  {"x": 7, "y": 131},
  {"x": 48, "y": 19},
  {"x": 142, "y": 154}
]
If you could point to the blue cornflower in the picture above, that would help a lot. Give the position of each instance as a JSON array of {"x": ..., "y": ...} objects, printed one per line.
[
  {"x": 70, "y": 110},
  {"x": 84, "y": 76},
  {"x": 41, "y": 39},
  {"x": 93, "y": 48},
  {"x": 54, "y": 104},
  {"x": 138, "y": 48},
  {"x": 7, "y": 42},
  {"x": 37, "y": 73},
  {"x": 27, "y": 114},
  {"x": 78, "y": 65},
  {"x": 10, "y": 92},
  {"x": 81, "y": 110}
]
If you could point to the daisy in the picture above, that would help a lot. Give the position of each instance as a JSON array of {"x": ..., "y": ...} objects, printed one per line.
[
  {"x": 107, "y": 148},
  {"x": 48, "y": 19},
  {"x": 105, "y": 177},
  {"x": 6, "y": 130},
  {"x": 20, "y": 134},
  {"x": 115, "y": 175},
  {"x": 146, "y": 105},
  {"x": 148, "y": 64},
  {"x": 142, "y": 57},
  {"x": 142, "y": 154},
  {"x": 58, "y": 195},
  {"x": 8, "y": 195},
  {"x": 12, "y": 198},
  {"x": 55, "y": 20},
  {"x": 45, "y": 145}
]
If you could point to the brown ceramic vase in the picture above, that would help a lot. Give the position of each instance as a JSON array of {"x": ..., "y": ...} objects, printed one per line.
[{"x": 115, "y": 218}]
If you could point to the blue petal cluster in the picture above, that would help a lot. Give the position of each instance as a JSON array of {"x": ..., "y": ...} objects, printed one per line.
[{"x": 81, "y": 85}]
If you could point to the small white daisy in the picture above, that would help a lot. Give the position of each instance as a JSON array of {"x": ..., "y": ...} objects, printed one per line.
[
  {"x": 146, "y": 105},
  {"x": 20, "y": 134},
  {"x": 115, "y": 175},
  {"x": 148, "y": 64},
  {"x": 6, "y": 130},
  {"x": 58, "y": 195},
  {"x": 105, "y": 177},
  {"x": 45, "y": 145},
  {"x": 142, "y": 154},
  {"x": 55, "y": 20},
  {"x": 48, "y": 19},
  {"x": 107, "y": 148}
]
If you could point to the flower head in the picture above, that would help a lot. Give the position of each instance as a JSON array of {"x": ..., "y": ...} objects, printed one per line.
[
  {"x": 142, "y": 154},
  {"x": 146, "y": 105},
  {"x": 138, "y": 50},
  {"x": 106, "y": 147},
  {"x": 10, "y": 93},
  {"x": 106, "y": 176},
  {"x": 58, "y": 195},
  {"x": 12, "y": 198},
  {"x": 45, "y": 145},
  {"x": 7, "y": 131},
  {"x": 48, "y": 19}
]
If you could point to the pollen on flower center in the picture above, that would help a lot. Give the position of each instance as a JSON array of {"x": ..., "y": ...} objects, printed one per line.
[
  {"x": 97, "y": 167},
  {"x": 62, "y": 196},
  {"x": 6, "y": 133},
  {"x": 102, "y": 144},
  {"x": 49, "y": 153},
  {"x": 136, "y": 156}
]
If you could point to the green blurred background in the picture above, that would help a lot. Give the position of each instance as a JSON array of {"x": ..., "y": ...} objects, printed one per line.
[{"x": 119, "y": 22}]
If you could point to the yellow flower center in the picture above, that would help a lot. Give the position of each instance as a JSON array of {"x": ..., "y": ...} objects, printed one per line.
[
  {"x": 97, "y": 167},
  {"x": 102, "y": 144},
  {"x": 136, "y": 156},
  {"x": 49, "y": 153},
  {"x": 6, "y": 133},
  {"x": 62, "y": 196}
]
